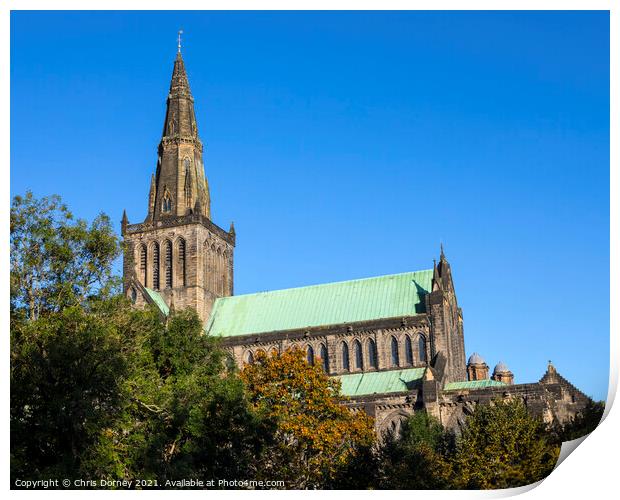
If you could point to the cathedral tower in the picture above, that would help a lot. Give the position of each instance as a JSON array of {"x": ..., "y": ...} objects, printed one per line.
[
  {"x": 178, "y": 254},
  {"x": 446, "y": 319}
]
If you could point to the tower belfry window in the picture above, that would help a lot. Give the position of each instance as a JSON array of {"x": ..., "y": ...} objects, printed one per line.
[
  {"x": 143, "y": 264},
  {"x": 181, "y": 269},
  {"x": 168, "y": 263},
  {"x": 156, "y": 266}
]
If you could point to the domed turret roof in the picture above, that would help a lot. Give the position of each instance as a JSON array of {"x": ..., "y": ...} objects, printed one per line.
[
  {"x": 476, "y": 359},
  {"x": 501, "y": 367}
]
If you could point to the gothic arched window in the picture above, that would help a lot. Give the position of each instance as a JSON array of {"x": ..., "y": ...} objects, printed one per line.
[
  {"x": 224, "y": 272},
  {"x": 310, "y": 355},
  {"x": 395, "y": 359},
  {"x": 324, "y": 359},
  {"x": 372, "y": 353},
  {"x": 249, "y": 358},
  {"x": 143, "y": 264},
  {"x": 359, "y": 358},
  {"x": 181, "y": 269},
  {"x": 422, "y": 348},
  {"x": 166, "y": 202},
  {"x": 156, "y": 266},
  {"x": 345, "y": 356},
  {"x": 218, "y": 275},
  {"x": 408, "y": 350},
  {"x": 168, "y": 263}
]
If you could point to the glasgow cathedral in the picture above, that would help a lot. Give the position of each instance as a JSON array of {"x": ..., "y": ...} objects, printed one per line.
[{"x": 395, "y": 342}]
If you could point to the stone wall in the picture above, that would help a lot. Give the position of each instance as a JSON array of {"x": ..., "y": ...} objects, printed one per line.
[
  {"x": 335, "y": 337},
  {"x": 205, "y": 273}
]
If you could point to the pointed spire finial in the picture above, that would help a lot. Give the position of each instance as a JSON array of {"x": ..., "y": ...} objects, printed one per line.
[
  {"x": 124, "y": 222},
  {"x": 436, "y": 277},
  {"x": 179, "y": 41},
  {"x": 441, "y": 247},
  {"x": 232, "y": 228}
]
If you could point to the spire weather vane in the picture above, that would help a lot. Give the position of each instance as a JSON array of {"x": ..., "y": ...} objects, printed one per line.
[{"x": 179, "y": 40}]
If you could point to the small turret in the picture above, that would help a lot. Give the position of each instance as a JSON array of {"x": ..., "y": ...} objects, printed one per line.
[
  {"x": 501, "y": 373},
  {"x": 477, "y": 369}
]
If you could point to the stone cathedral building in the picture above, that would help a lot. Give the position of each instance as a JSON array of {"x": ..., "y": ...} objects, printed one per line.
[{"x": 396, "y": 342}]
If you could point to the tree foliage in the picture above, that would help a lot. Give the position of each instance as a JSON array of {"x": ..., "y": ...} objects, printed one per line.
[
  {"x": 316, "y": 436},
  {"x": 186, "y": 415},
  {"x": 66, "y": 373},
  {"x": 503, "y": 446},
  {"x": 581, "y": 425},
  {"x": 57, "y": 261},
  {"x": 417, "y": 458},
  {"x": 116, "y": 393}
]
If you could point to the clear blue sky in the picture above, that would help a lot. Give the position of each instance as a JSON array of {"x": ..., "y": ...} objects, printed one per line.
[{"x": 347, "y": 145}]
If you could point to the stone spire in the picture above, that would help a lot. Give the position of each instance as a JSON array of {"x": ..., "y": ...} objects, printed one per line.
[
  {"x": 180, "y": 118},
  {"x": 124, "y": 222},
  {"x": 445, "y": 273},
  {"x": 179, "y": 184},
  {"x": 436, "y": 277}
]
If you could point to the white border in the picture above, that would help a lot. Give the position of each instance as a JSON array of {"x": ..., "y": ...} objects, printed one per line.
[{"x": 591, "y": 470}]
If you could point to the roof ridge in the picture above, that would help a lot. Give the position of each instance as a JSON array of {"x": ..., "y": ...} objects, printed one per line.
[{"x": 326, "y": 284}]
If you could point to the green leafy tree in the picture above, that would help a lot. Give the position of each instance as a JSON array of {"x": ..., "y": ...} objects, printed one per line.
[
  {"x": 503, "y": 446},
  {"x": 583, "y": 424},
  {"x": 116, "y": 393},
  {"x": 57, "y": 261},
  {"x": 66, "y": 370},
  {"x": 101, "y": 390},
  {"x": 186, "y": 415},
  {"x": 419, "y": 457},
  {"x": 316, "y": 436}
]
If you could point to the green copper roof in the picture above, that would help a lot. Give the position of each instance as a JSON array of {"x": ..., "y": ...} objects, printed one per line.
[
  {"x": 361, "y": 384},
  {"x": 159, "y": 301},
  {"x": 472, "y": 384},
  {"x": 389, "y": 296}
]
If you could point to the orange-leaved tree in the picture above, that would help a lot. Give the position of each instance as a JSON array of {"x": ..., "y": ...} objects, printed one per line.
[{"x": 316, "y": 436}]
